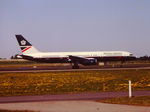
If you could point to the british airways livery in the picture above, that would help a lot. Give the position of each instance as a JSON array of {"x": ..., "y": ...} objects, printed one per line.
[{"x": 29, "y": 52}]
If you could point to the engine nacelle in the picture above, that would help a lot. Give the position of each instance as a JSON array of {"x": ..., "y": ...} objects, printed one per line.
[{"x": 90, "y": 61}]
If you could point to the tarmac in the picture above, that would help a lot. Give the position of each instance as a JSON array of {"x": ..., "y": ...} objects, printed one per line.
[
  {"x": 73, "y": 106},
  {"x": 69, "y": 97}
]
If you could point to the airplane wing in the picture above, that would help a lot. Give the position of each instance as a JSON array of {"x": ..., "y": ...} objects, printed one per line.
[
  {"x": 76, "y": 58},
  {"x": 82, "y": 60}
]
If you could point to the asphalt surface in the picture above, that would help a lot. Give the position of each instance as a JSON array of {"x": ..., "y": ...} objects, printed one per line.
[
  {"x": 73, "y": 106},
  {"x": 66, "y": 97},
  {"x": 63, "y": 70},
  {"x": 67, "y": 67}
]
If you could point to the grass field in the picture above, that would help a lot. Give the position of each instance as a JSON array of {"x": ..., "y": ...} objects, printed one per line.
[
  {"x": 138, "y": 100},
  {"x": 13, "y": 84}
]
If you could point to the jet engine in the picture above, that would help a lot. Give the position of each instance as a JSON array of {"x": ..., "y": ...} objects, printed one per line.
[{"x": 89, "y": 61}]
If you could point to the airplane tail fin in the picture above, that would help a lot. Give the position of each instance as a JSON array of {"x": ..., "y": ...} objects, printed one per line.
[{"x": 25, "y": 46}]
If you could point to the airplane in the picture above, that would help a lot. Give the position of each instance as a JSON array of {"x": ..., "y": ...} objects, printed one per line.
[{"x": 29, "y": 52}]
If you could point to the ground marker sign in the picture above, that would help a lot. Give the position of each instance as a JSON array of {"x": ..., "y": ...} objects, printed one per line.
[{"x": 130, "y": 90}]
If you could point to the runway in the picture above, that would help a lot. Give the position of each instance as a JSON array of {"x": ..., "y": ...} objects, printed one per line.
[
  {"x": 73, "y": 106},
  {"x": 66, "y": 97},
  {"x": 65, "y": 70}
]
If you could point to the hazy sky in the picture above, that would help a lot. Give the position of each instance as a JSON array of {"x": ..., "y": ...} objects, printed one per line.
[{"x": 76, "y": 25}]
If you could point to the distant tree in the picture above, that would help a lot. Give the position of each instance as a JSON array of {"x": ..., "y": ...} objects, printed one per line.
[{"x": 146, "y": 57}]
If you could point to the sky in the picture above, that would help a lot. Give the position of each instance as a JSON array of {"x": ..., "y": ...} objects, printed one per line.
[{"x": 76, "y": 25}]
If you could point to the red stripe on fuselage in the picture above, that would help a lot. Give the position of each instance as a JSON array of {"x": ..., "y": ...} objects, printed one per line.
[{"x": 26, "y": 49}]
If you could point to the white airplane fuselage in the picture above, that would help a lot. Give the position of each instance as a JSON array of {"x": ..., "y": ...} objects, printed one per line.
[
  {"x": 29, "y": 52},
  {"x": 81, "y": 54}
]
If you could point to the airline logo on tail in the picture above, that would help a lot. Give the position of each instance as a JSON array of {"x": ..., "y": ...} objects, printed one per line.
[
  {"x": 25, "y": 46},
  {"x": 23, "y": 42}
]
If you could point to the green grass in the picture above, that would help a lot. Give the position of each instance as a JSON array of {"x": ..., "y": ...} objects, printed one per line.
[
  {"x": 138, "y": 100},
  {"x": 14, "y": 84}
]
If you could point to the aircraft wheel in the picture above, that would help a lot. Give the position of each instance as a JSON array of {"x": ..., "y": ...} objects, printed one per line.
[{"x": 75, "y": 67}]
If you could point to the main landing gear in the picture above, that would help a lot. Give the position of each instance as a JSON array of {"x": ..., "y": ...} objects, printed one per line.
[
  {"x": 122, "y": 62},
  {"x": 75, "y": 65}
]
